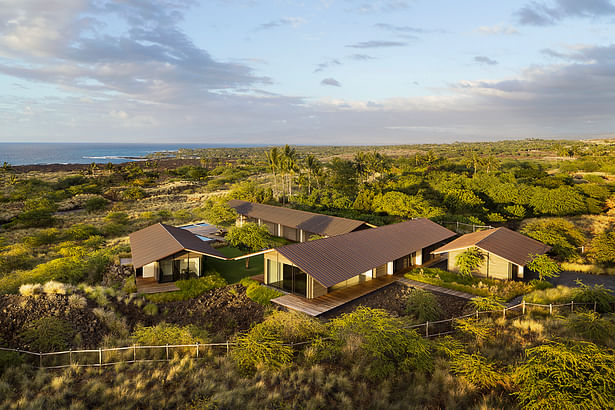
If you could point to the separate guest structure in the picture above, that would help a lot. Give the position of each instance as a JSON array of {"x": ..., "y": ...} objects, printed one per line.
[
  {"x": 292, "y": 224},
  {"x": 164, "y": 253},
  {"x": 316, "y": 268},
  {"x": 506, "y": 252}
]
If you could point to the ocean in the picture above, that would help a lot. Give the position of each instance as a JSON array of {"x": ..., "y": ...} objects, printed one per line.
[{"x": 17, "y": 153}]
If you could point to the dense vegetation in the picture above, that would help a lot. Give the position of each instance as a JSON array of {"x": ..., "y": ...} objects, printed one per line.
[{"x": 61, "y": 286}]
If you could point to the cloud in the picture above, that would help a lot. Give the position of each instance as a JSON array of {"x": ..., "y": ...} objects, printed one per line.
[
  {"x": 152, "y": 60},
  {"x": 540, "y": 14},
  {"x": 361, "y": 57},
  {"x": 326, "y": 64},
  {"x": 376, "y": 6},
  {"x": 330, "y": 82},
  {"x": 377, "y": 44},
  {"x": 485, "y": 60},
  {"x": 401, "y": 31},
  {"x": 294, "y": 22},
  {"x": 497, "y": 30}
]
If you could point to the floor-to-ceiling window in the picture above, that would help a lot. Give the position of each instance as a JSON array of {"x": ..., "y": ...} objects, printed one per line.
[
  {"x": 286, "y": 277},
  {"x": 183, "y": 265}
]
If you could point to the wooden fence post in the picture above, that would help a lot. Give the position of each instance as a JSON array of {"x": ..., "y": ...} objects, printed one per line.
[
  {"x": 523, "y": 307},
  {"x": 40, "y": 360},
  {"x": 227, "y": 348},
  {"x": 167, "y": 349},
  {"x": 594, "y": 306},
  {"x": 427, "y": 329},
  {"x": 70, "y": 356},
  {"x": 99, "y": 357},
  {"x": 134, "y": 352},
  {"x": 477, "y": 315},
  {"x": 572, "y": 306},
  {"x": 551, "y": 309},
  {"x": 504, "y": 313},
  {"x": 197, "y": 350}
]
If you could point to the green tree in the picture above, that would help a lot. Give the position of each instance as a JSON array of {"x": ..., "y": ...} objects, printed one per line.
[
  {"x": 313, "y": 168},
  {"x": 602, "y": 248},
  {"x": 564, "y": 200},
  {"x": 566, "y": 376},
  {"x": 217, "y": 213},
  {"x": 407, "y": 206},
  {"x": 469, "y": 261},
  {"x": 544, "y": 266},
  {"x": 249, "y": 238},
  {"x": 558, "y": 233}
]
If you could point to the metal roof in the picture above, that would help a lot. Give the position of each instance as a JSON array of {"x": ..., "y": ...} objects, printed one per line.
[
  {"x": 503, "y": 242},
  {"x": 307, "y": 221},
  {"x": 159, "y": 241},
  {"x": 338, "y": 258}
]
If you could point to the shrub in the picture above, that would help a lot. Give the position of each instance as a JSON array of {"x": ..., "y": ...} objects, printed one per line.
[
  {"x": 130, "y": 285},
  {"x": 77, "y": 301},
  {"x": 95, "y": 204},
  {"x": 566, "y": 376},
  {"x": 559, "y": 294},
  {"x": 81, "y": 232},
  {"x": 261, "y": 348},
  {"x": 592, "y": 327},
  {"x": 30, "y": 289},
  {"x": 293, "y": 327},
  {"x": 258, "y": 293},
  {"x": 164, "y": 333},
  {"x": 558, "y": 233},
  {"x": 16, "y": 256},
  {"x": 486, "y": 304},
  {"x": 602, "y": 248},
  {"x": 423, "y": 306},
  {"x": 478, "y": 371},
  {"x": 53, "y": 287},
  {"x": 598, "y": 294},
  {"x": 475, "y": 328},
  {"x": 47, "y": 334},
  {"x": 116, "y": 324},
  {"x": 380, "y": 341},
  {"x": 9, "y": 359},
  {"x": 151, "y": 309},
  {"x": 134, "y": 193},
  {"x": 190, "y": 288}
]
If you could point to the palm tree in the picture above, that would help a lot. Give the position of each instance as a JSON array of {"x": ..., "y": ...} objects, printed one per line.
[
  {"x": 289, "y": 166},
  {"x": 273, "y": 158},
  {"x": 313, "y": 166}
]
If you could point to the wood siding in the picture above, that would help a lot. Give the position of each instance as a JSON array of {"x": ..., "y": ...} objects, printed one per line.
[{"x": 494, "y": 266}]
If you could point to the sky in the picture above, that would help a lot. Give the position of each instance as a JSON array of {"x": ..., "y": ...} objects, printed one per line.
[{"x": 332, "y": 72}]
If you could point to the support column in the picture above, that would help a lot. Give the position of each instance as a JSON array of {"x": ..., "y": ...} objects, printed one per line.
[{"x": 389, "y": 268}]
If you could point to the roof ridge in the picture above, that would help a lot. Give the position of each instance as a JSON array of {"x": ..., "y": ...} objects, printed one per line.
[
  {"x": 165, "y": 226},
  {"x": 299, "y": 210}
]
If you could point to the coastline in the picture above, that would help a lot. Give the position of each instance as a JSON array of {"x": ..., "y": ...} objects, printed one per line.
[{"x": 161, "y": 163}]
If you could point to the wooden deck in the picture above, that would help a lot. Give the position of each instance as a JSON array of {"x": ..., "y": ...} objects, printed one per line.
[
  {"x": 333, "y": 300},
  {"x": 151, "y": 285}
]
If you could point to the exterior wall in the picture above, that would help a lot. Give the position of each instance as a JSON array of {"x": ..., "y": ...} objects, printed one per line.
[
  {"x": 151, "y": 270},
  {"x": 315, "y": 289},
  {"x": 390, "y": 268},
  {"x": 494, "y": 266},
  {"x": 419, "y": 257}
]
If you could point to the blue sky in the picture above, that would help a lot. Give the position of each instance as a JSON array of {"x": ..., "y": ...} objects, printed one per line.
[{"x": 305, "y": 72}]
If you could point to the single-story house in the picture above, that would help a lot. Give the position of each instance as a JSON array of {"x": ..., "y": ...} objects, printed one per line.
[
  {"x": 292, "y": 224},
  {"x": 167, "y": 253},
  {"x": 315, "y": 268},
  {"x": 506, "y": 252}
]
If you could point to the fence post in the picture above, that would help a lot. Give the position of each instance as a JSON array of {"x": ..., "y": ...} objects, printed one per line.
[
  {"x": 167, "y": 349},
  {"x": 197, "y": 350},
  {"x": 523, "y": 307},
  {"x": 227, "y": 349},
  {"x": 594, "y": 306},
  {"x": 40, "y": 360},
  {"x": 477, "y": 314},
  {"x": 134, "y": 352},
  {"x": 572, "y": 306},
  {"x": 504, "y": 313},
  {"x": 427, "y": 329},
  {"x": 70, "y": 356},
  {"x": 457, "y": 225},
  {"x": 551, "y": 309},
  {"x": 99, "y": 357}
]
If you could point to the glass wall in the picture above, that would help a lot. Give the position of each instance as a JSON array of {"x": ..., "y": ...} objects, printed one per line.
[
  {"x": 286, "y": 277},
  {"x": 183, "y": 265}
]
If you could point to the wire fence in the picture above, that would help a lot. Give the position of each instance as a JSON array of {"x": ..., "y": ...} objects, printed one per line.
[
  {"x": 461, "y": 227},
  {"x": 103, "y": 357}
]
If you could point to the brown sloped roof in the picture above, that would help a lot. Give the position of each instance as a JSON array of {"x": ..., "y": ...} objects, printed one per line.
[
  {"x": 503, "y": 242},
  {"x": 338, "y": 258},
  {"x": 307, "y": 221},
  {"x": 159, "y": 241}
]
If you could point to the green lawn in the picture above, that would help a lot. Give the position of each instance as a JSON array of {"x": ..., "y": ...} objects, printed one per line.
[{"x": 234, "y": 271}]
